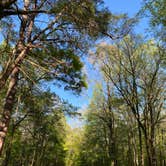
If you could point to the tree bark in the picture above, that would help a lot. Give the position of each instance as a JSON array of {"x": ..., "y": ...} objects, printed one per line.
[
  {"x": 9, "y": 148},
  {"x": 5, "y": 4},
  {"x": 8, "y": 107},
  {"x": 6, "y": 74},
  {"x": 140, "y": 158},
  {"x": 151, "y": 155},
  {"x": 12, "y": 72}
]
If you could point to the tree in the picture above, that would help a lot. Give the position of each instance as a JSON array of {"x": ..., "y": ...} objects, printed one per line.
[
  {"x": 73, "y": 143},
  {"x": 59, "y": 42},
  {"x": 104, "y": 138},
  {"x": 157, "y": 13},
  {"x": 38, "y": 129},
  {"x": 135, "y": 70}
]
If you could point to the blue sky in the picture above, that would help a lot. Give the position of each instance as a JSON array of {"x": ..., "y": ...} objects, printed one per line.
[{"x": 124, "y": 6}]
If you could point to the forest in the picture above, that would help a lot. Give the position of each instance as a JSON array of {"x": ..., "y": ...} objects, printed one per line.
[{"x": 50, "y": 48}]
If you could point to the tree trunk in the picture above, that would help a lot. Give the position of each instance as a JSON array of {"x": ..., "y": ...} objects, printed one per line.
[
  {"x": 152, "y": 149},
  {"x": 10, "y": 67},
  {"x": 4, "y": 4},
  {"x": 9, "y": 148},
  {"x": 151, "y": 155},
  {"x": 33, "y": 158},
  {"x": 140, "y": 158},
  {"x": 21, "y": 48},
  {"x": 8, "y": 107},
  {"x": 152, "y": 141},
  {"x": 13, "y": 72}
]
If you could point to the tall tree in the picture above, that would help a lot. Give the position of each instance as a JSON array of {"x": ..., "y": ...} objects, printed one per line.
[
  {"x": 60, "y": 38},
  {"x": 135, "y": 70}
]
